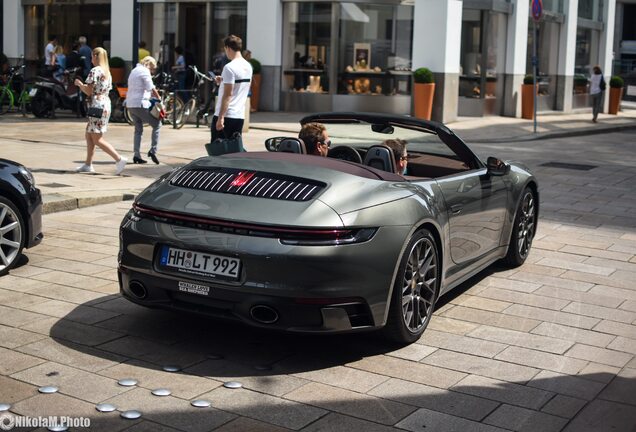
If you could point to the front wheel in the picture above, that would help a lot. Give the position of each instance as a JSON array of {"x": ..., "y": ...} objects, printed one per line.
[
  {"x": 6, "y": 100},
  {"x": 41, "y": 104},
  {"x": 12, "y": 231},
  {"x": 415, "y": 290},
  {"x": 523, "y": 231}
]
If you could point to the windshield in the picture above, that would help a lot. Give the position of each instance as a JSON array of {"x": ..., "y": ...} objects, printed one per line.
[{"x": 361, "y": 136}]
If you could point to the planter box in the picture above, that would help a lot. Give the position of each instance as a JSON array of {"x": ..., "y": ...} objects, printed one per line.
[
  {"x": 527, "y": 100},
  {"x": 423, "y": 100},
  {"x": 615, "y": 100}
]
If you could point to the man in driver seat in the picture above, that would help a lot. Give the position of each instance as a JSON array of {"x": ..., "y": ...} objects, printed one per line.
[
  {"x": 315, "y": 137},
  {"x": 398, "y": 146}
]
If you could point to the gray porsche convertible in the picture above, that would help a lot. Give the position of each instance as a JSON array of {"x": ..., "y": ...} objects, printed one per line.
[{"x": 290, "y": 241}]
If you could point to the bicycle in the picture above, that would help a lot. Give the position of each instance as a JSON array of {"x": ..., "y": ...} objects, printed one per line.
[
  {"x": 193, "y": 104},
  {"x": 8, "y": 97}
]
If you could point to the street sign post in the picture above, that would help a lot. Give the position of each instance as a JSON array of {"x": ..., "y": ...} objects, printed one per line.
[{"x": 537, "y": 13}]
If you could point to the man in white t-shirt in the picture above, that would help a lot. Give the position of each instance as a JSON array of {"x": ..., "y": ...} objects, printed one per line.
[
  {"x": 234, "y": 86},
  {"x": 49, "y": 51}
]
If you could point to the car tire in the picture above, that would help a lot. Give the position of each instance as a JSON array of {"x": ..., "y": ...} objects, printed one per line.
[
  {"x": 12, "y": 235},
  {"x": 523, "y": 230},
  {"x": 415, "y": 289}
]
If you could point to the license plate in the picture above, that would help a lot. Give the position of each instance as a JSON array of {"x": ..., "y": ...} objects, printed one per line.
[
  {"x": 199, "y": 263},
  {"x": 33, "y": 92}
]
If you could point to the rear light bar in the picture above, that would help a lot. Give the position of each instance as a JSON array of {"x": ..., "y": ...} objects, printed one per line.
[{"x": 289, "y": 236}]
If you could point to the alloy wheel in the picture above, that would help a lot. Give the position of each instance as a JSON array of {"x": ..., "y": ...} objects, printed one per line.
[
  {"x": 10, "y": 236},
  {"x": 418, "y": 287},
  {"x": 526, "y": 224}
]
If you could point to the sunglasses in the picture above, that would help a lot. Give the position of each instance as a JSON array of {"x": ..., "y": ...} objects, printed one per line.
[
  {"x": 404, "y": 158},
  {"x": 327, "y": 143}
]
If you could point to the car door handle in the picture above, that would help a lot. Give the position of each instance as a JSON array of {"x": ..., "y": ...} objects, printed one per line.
[{"x": 457, "y": 208}]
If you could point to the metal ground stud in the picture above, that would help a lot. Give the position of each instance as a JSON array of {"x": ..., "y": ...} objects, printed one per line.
[
  {"x": 127, "y": 382},
  {"x": 161, "y": 392},
  {"x": 131, "y": 414},
  {"x": 5, "y": 407},
  {"x": 172, "y": 368},
  {"x": 232, "y": 384},
  {"x": 48, "y": 389},
  {"x": 105, "y": 407},
  {"x": 200, "y": 403}
]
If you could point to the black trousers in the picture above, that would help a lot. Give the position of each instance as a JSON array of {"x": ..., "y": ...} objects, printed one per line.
[{"x": 230, "y": 127}]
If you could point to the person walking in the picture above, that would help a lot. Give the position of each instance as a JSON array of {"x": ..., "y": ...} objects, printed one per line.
[
  {"x": 49, "y": 55},
  {"x": 229, "y": 111},
  {"x": 96, "y": 87},
  {"x": 140, "y": 87},
  {"x": 86, "y": 52},
  {"x": 597, "y": 87}
]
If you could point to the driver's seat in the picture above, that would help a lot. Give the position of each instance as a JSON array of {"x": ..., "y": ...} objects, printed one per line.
[
  {"x": 292, "y": 145},
  {"x": 380, "y": 157}
]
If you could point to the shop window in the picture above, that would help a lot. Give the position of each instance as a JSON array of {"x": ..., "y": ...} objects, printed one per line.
[
  {"x": 547, "y": 61},
  {"x": 590, "y": 9},
  {"x": 307, "y": 47},
  {"x": 586, "y": 56},
  {"x": 374, "y": 53}
]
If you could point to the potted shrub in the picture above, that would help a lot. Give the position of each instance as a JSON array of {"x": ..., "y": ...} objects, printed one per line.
[
  {"x": 616, "y": 93},
  {"x": 527, "y": 97},
  {"x": 580, "y": 84},
  {"x": 423, "y": 92},
  {"x": 117, "y": 69},
  {"x": 256, "y": 84}
]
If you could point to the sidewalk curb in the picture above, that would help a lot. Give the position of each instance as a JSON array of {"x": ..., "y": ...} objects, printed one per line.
[
  {"x": 53, "y": 203},
  {"x": 554, "y": 135}
]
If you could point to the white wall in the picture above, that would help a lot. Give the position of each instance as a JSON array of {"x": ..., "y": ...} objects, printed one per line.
[
  {"x": 567, "y": 44},
  {"x": 13, "y": 28},
  {"x": 437, "y": 35},
  {"x": 517, "y": 38},
  {"x": 265, "y": 31},
  {"x": 121, "y": 29},
  {"x": 606, "y": 49}
]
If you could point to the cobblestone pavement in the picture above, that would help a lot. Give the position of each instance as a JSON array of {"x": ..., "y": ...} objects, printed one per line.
[{"x": 548, "y": 346}]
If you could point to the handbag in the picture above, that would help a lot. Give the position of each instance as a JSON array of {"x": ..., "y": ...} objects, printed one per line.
[
  {"x": 602, "y": 84},
  {"x": 221, "y": 146},
  {"x": 157, "y": 109},
  {"x": 95, "y": 112}
]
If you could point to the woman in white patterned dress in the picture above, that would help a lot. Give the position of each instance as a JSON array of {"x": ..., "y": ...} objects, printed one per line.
[{"x": 97, "y": 86}]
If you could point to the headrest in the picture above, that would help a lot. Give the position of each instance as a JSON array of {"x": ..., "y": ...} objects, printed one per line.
[
  {"x": 380, "y": 157},
  {"x": 292, "y": 145}
]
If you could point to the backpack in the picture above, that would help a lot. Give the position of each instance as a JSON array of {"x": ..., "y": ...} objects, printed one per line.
[{"x": 602, "y": 85}]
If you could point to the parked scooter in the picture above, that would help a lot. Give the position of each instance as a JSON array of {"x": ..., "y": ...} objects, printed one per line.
[{"x": 49, "y": 94}]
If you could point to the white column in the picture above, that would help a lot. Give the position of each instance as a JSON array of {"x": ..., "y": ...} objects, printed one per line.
[
  {"x": 264, "y": 40},
  {"x": 13, "y": 29},
  {"x": 121, "y": 29},
  {"x": 567, "y": 52},
  {"x": 606, "y": 49},
  {"x": 436, "y": 45},
  {"x": 516, "y": 57}
]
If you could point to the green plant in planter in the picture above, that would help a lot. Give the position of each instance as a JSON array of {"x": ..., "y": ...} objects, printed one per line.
[
  {"x": 616, "y": 82},
  {"x": 117, "y": 62},
  {"x": 528, "y": 79},
  {"x": 256, "y": 66},
  {"x": 423, "y": 76},
  {"x": 580, "y": 80}
]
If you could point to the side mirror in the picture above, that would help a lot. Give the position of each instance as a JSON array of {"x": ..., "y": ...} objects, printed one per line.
[
  {"x": 272, "y": 144},
  {"x": 497, "y": 167}
]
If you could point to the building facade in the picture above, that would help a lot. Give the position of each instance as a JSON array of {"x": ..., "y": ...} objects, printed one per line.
[{"x": 325, "y": 55}]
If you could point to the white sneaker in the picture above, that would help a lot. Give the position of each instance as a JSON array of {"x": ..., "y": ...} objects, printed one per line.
[
  {"x": 120, "y": 165},
  {"x": 85, "y": 169}
]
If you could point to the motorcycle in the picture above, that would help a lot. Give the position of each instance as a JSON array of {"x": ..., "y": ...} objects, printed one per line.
[{"x": 49, "y": 94}]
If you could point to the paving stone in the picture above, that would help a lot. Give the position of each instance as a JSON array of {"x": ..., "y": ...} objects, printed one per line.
[
  {"x": 492, "y": 318},
  {"x": 12, "y": 337},
  {"x": 76, "y": 267},
  {"x": 270, "y": 382},
  {"x": 450, "y": 325},
  {"x": 542, "y": 360},
  {"x": 561, "y": 282},
  {"x": 629, "y": 305},
  {"x": 344, "y": 377},
  {"x": 18, "y": 300},
  {"x": 514, "y": 284},
  {"x": 12, "y": 361},
  {"x": 16, "y": 317},
  {"x": 481, "y": 303},
  {"x": 559, "y": 256},
  {"x": 566, "y": 385},
  {"x": 522, "y": 339},
  {"x": 71, "y": 311},
  {"x": 595, "y": 279},
  {"x": 503, "y": 391},
  {"x": 549, "y": 294},
  {"x": 414, "y": 352},
  {"x": 14, "y": 390},
  {"x": 526, "y": 299},
  {"x": 153, "y": 352},
  {"x": 623, "y": 344},
  {"x": 72, "y": 382},
  {"x": 621, "y": 389},
  {"x": 524, "y": 420},
  {"x": 564, "y": 406},
  {"x": 599, "y": 372},
  {"x": 70, "y": 279},
  {"x": 70, "y": 354},
  {"x": 618, "y": 329},
  {"x": 66, "y": 293},
  {"x": 598, "y": 253},
  {"x": 619, "y": 265},
  {"x": 481, "y": 366},
  {"x": 266, "y": 408},
  {"x": 20, "y": 284},
  {"x": 612, "y": 314},
  {"x": 151, "y": 376},
  {"x": 148, "y": 426},
  {"x": 409, "y": 371},
  {"x": 602, "y": 415},
  {"x": 579, "y": 267},
  {"x": 573, "y": 334},
  {"x": 446, "y": 401},
  {"x": 424, "y": 420},
  {"x": 351, "y": 403},
  {"x": 158, "y": 326},
  {"x": 72, "y": 331},
  {"x": 552, "y": 316},
  {"x": 333, "y": 422},
  {"x": 599, "y": 355},
  {"x": 467, "y": 345},
  {"x": 619, "y": 293}
]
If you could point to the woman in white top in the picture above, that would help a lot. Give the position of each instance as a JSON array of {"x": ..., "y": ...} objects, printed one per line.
[{"x": 597, "y": 86}]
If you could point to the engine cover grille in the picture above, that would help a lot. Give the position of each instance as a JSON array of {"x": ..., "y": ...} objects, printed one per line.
[{"x": 249, "y": 183}]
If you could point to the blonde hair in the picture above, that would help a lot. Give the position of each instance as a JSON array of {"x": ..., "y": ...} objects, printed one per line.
[
  {"x": 59, "y": 49},
  {"x": 102, "y": 60},
  {"x": 149, "y": 61}
]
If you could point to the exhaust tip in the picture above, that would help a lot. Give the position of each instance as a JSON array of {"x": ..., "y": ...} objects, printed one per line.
[
  {"x": 264, "y": 314},
  {"x": 138, "y": 290}
]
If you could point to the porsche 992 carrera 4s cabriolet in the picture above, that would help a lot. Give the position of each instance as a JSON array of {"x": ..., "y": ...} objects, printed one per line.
[{"x": 290, "y": 241}]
